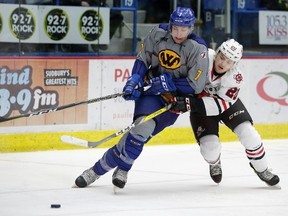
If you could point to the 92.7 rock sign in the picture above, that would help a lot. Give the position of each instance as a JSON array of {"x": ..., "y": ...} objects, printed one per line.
[{"x": 22, "y": 23}]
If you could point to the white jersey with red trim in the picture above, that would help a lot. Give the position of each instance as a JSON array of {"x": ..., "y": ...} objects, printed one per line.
[{"x": 221, "y": 90}]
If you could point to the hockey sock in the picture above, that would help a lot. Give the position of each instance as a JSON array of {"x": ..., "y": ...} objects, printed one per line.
[
  {"x": 257, "y": 158},
  {"x": 108, "y": 161},
  {"x": 113, "y": 158}
]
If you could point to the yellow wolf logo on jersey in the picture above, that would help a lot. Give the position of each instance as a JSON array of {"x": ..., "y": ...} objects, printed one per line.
[{"x": 169, "y": 59}]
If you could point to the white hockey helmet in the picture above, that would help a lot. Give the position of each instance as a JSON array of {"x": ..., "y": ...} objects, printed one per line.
[{"x": 231, "y": 49}]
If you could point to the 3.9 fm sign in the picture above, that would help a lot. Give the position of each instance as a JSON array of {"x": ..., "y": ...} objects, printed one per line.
[{"x": 16, "y": 93}]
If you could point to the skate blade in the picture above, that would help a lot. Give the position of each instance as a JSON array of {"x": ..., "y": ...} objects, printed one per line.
[
  {"x": 74, "y": 186},
  {"x": 277, "y": 186},
  {"x": 116, "y": 189}
]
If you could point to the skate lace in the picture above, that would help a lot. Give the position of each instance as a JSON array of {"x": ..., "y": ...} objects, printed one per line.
[
  {"x": 216, "y": 169},
  {"x": 121, "y": 175},
  {"x": 267, "y": 174},
  {"x": 89, "y": 176}
]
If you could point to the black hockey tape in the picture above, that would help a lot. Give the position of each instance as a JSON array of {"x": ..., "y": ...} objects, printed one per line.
[{"x": 55, "y": 206}]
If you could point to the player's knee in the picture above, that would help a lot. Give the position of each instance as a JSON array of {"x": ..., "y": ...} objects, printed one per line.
[
  {"x": 143, "y": 131},
  {"x": 133, "y": 146},
  {"x": 210, "y": 148},
  {"x": 248, "y": 135},
  {"x": 129, "y": 151}
]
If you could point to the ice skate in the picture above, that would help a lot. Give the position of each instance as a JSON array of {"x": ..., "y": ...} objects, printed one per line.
[
  {"x": 216, "y": 172},
  {"x": 268, "y": 177},
  {"x": 119, "y": 179},
  {"x": 86, "y": 178}
]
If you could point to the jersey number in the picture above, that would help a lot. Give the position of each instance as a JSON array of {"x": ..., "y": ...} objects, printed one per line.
[
  {"x": 199, "y": 72},
  {"x": 233, "y": 93}
]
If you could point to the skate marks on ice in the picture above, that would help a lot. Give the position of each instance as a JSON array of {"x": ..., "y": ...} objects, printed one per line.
[{"x": 166, "y": 180}]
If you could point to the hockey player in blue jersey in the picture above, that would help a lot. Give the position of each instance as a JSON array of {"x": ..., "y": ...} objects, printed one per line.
[{"x": 172, "y": 60}]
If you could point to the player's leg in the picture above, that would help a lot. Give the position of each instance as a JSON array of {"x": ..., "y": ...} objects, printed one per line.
[
  {"x": 127, "y": 149},
  {"x": 239, "y": 120},
  {"x": 132, "y": 146},
  {"x": 205, "y": 130},
  {"x": 134, "y": 143}
]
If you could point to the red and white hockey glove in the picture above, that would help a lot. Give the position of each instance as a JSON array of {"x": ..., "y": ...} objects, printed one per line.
[{"x": 180, "y": 104}]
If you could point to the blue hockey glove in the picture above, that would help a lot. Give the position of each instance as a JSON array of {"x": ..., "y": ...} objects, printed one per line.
[
  {"x": 160, "y": 84},
  {"x": 130, "y": 88}
]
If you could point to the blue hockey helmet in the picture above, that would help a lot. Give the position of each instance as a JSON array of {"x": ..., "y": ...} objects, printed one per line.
[{"x": 182, "y": 17}]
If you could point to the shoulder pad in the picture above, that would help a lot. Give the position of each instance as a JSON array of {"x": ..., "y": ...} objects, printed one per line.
[
  {"x": 211, "y": 52},
  {"x": 164, "y": 26},
  {"x": 197, "y": 39}
]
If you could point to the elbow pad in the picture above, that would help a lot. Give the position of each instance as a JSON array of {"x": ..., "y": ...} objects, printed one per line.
[{"x": 139, "y": 68}]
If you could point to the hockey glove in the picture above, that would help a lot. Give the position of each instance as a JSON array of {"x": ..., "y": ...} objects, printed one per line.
[
  {"x": 130, "y": 89},
  {"x": 160, "y": 84},
  {"x": 180, "y": 104}
]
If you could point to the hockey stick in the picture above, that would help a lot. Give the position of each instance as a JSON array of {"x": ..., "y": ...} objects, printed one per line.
[
  {"x": 107, "y": 97},
  {"x": 92, "y": 144}
]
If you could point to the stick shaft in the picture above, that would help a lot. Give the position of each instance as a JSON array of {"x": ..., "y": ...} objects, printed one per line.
[
  {"x": 107, "y": 97},
  {"x": 128, "y": 128}
]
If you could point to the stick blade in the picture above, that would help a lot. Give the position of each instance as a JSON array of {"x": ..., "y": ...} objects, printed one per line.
[{"x": 74, "y": 141}]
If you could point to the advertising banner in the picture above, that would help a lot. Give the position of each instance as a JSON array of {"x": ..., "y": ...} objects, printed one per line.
[
  {"x": 33, "y": 84},
  {"x": 113, "y": 74},
  {"x": 54, "y": 24},
  {"x": 266, "y": 89},
  {"x": 28, "y": 85},
  {"x": 273, "y": 27}
]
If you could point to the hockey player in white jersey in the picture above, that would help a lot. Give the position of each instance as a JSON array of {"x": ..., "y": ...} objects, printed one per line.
[{"x": 220, "y": 102}]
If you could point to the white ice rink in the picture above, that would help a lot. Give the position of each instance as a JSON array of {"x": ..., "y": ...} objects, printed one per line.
[{"x": 165, "y": 180}]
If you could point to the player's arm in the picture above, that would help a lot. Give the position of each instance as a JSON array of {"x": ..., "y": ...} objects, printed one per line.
[
  {"x": 206, "y": 106},
  {"x": 140, "y": 67},
  {"x": 215, "y": 106},
  {"x": 147, "y": 46},
  {"x": 135, "y": 81},
  {"x": 197, "y": 75}
]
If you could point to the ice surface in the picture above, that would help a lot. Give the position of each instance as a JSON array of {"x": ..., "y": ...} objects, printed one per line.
[{"x": 165, "y": 180}]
